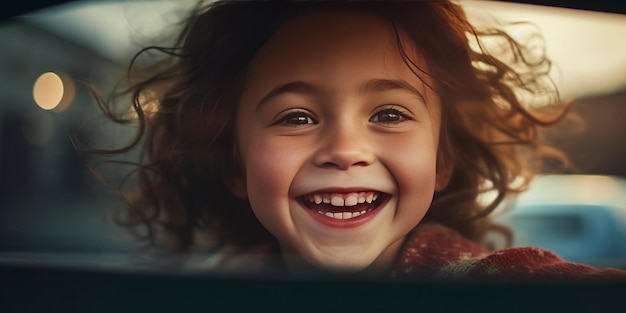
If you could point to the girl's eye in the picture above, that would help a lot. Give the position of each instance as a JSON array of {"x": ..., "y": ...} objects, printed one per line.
[
  {"x": 296, "y": 119},
  {"x": 389, "y": 116}
]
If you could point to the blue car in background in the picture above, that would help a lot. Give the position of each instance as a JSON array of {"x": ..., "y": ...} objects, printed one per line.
[{"x": 582, "y": 218}]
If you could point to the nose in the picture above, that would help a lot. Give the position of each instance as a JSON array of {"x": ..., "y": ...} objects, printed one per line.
[{"x": 343, "y": 148}]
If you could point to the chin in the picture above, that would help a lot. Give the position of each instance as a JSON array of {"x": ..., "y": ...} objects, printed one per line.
[{"x": 343, "y": 264}]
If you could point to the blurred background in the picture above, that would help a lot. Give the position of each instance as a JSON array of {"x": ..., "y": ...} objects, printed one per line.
[{"x": 51, "y": 208}]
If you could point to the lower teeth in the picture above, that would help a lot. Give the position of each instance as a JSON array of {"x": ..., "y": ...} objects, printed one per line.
[{"x": 343, "y": 215}]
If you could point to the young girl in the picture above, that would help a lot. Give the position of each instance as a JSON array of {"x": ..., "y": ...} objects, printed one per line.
[{"x": 340, "y": 137}]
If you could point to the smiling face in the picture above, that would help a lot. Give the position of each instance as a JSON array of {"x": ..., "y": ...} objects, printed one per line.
[{"x": 338, "y": 139}]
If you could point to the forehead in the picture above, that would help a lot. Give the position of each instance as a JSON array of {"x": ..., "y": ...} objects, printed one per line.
[
  {"x": 331, "y": 29},
  {"x": 336, "y": 44}
]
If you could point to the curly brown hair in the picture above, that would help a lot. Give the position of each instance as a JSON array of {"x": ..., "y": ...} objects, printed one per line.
[{"x": 184, "y": 110}]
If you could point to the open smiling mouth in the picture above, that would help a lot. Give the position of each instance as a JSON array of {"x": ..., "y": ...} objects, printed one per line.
[{"x": 344, "y": 206}]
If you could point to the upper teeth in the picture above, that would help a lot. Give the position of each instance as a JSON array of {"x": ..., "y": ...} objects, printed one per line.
[{"x": 349, "y": 199}]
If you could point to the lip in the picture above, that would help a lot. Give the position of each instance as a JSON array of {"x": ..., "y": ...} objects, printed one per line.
[
  {"x": 345, "y": 223},
  {"x": 343, "y": 190}
]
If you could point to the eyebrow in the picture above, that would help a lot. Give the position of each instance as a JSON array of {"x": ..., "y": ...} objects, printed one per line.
[
  {"x": 298, "y": 87},
  {"x": 371, "y": 86},
  {"x": 380, "y": 85}
]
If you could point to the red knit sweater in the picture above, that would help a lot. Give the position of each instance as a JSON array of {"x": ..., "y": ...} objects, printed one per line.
[{"x": 434, "y": 251}]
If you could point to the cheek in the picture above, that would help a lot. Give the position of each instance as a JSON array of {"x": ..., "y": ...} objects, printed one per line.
[
  {"x": 265, "y": 169},
  {"x": 412, "y": 163},
  {"x": 417, "y": 176},
  {"x": 411, "y": 154},
  {"x": 271, "y": 166},
  {"x": 264, "y": 183}
]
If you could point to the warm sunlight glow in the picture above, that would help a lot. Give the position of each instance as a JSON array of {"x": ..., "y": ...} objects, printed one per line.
[{"x": 586, "y": 46}]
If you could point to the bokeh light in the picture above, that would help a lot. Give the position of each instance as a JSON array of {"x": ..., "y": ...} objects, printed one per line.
[{"x": 53, "y": 91}]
